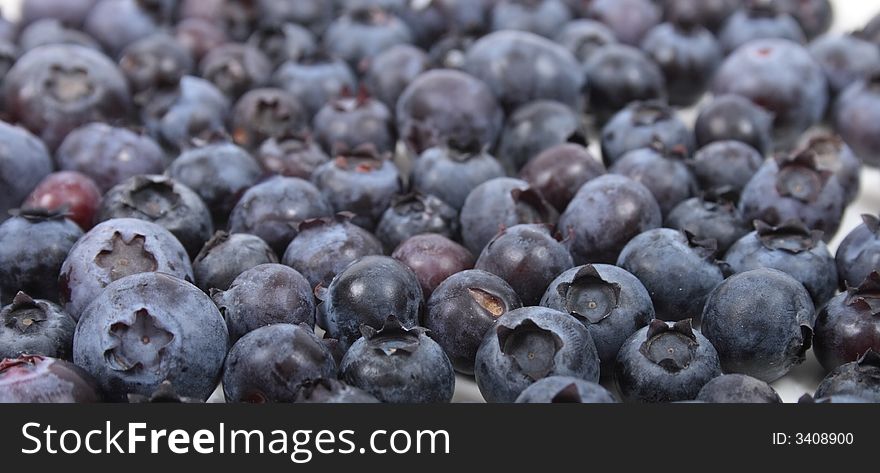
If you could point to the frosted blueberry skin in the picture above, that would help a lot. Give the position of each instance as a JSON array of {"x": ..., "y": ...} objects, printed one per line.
[
  {"x": 565, "y": 389},
  {"x": 365, "y": 293},
  {"x": 738, "y": 389},
  {"x": 688, "y": 55},
  {"x": 535, "y": 69},
  {"x": 113, "y": 250},
  {"x": 857, "y": 378},
  {"x": 531, "y": 343},
  {"x": 785, "y": 80},
  {"x": 612, "y": 303},
  {"x": 35, "y": 327},
  {"x": 39, "y": 379},
  {"x": 462, "y": 309},
  {"x": 271, "y": 363},
  {"x": 451, "y": 174},
  {"x": 665, "y": 362},
  {"x": 398, "y": 365},
  {"x": 35, "y": 244},
  {"x": 678, "y": 270},
  {"x": 605, "y": 214},
  {"x": 24, "y": 162},
  {"x": 732, "y": 117},
  {"x": 225, "y": 256},
  {"x": 535, "y": 127},
  {"x": 642, "y": 124},
  {"x": 709, "y": 218},
  {"x": 617, "y": 75},
  {"x": 760, "y": 322},
  {"x": 148, "y": 328},
  {"x": 326, "y": 246},
  {"x": 267, "y": 294}
]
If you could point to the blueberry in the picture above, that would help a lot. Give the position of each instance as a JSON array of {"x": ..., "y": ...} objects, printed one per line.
[
  {"x": 612, "y": 303},
  {"x": 641, "y": 124},
  {"x": 331, "y": 391},
  {"x": 845, "y": 59},
  {"x": 688, "y": 55},
  {"x": 110, "y": 155},
  {"x": 538, "y": 126},
  {"x": 604, "y": 215},
  {"x": 531, "y": 343},
  {"x": 792, "y": 249},
  {"x": 399, "y": 364},
  {"x": 148, "y": 328},
  {"x": 199, "y": 36},
  {"x": 795, "y": 187},
  {"x": 225, "y": 256},
  {"x": 784, "y": 79},
  {"x": 853, "y": 117},
  {"x": 433, "y": 258},
  {"x": 163, "y": 201},
  {"x": 291, "y": 155},
  {"x": 500, "y": 203},
  {"x": 711, "y": 217},
  {"x": 558, "y": 172},
  {"x": 814, "y": 16},
  {"x": 584, "y": 37},
  {"x": 711, "y": 15},
  {"x": 848, "y": 325},
  {"x": 366, "y": 293},
  {"x": 270, "y": 363},
  {"x": 738, "y": 389},
  {"x": 428, "y": 22},
  {"x": 528, "y": 257},
  {"x": 451, "y": 174},
  {"x": 416, "y": 214},
  {"x": 542, "y": 17},
  {"x": 565, "y": 389},
  {"x": 219, "y": 173},
  {"x": 833, "y": 155},
  {"x": 859, "y": 253},
  {"x": 857, "y": 378},
  {"x": 24, "y": 162},
  {"x": 263, "y": 114},
  {"x": 354, "y": 121},
  {"x": 54, "y": 89},
  {"x": 663, "y": 171},
  {"x": 71, "y": 192},
  {"x": 313, "y": 14},
  {"x": 760, "y": 322},
  {"x": 194, "y": 110},
  {"x": 113, "y": 250},
  {"x": 445, "y": 106},
  {"x": 392, "y": 70},
  {"x": 235, "y": 68},
  {"x": 678, "y": 270},
  {"x": 283, "y": 42},
  {"x": 665, "y": 363},
  {"x": 360, "y": 181},
  {"x": 156, "y": 61},
  {"x": 835, "y": 399},
  {"x": 462, "y": 308},
  {"x": 314, "y": 80},
  {"x": 732, "y": 117},
  {"x": 760, "y": 19},
  {"x": 325, "y": 246},
  {"x": 52, "y": 31},
  {"x": 35, "y": 327},
  {"x": 362, "y": 33},
  {"x": 119, "y": 23},
  {"x": 726, "y": 164},
  {"x": 35, "y": 244},
  {"x": 630, "y": 20},
  {"x": 272, "y": 210},
  {"x": 520, "y": 67},
  {"x": 265, "y": 295},
  {"x": 69, "y": 12},
  {"x": 39, "y": 379},
  {"x": 449, "y": 52}
]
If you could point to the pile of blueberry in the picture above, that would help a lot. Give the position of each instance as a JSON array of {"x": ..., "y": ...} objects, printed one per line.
[{"x": 359, "y": 200}]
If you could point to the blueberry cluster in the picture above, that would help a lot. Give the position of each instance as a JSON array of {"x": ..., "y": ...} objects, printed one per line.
[{"x": 358, "y": 201}]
